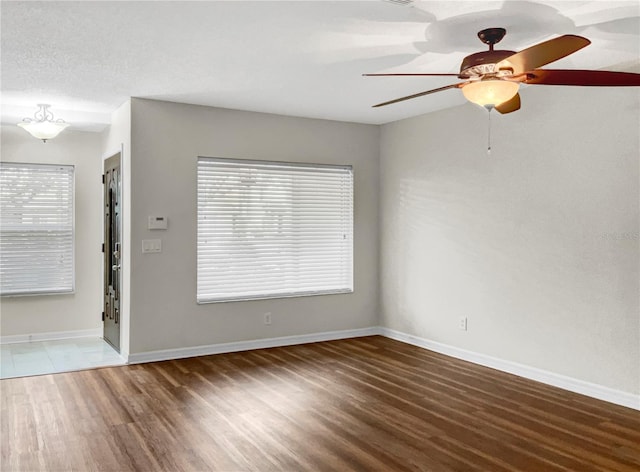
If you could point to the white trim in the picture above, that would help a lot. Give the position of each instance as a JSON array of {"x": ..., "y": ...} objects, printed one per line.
[
  {"x": 51, "y": 336},
  {"x": 179, "y": 353},
  {"x": 571, "y": 384},
  {"x": 550, "y": 378}
]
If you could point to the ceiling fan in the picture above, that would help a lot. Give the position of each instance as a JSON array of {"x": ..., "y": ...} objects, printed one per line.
[{"x": 492, "y": 78}]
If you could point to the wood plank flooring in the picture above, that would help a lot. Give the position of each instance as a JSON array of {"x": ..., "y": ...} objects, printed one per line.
[{"x": 366, "y": 404}]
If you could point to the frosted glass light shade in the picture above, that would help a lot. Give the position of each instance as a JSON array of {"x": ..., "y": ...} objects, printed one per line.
[
  {"x": 490, "y": 92},
  {"x": 43, "y": 125},
  {"x": 43, "y": 129}
]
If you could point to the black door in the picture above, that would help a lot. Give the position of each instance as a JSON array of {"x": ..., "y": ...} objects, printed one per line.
[{"x": 112, "y": 250}]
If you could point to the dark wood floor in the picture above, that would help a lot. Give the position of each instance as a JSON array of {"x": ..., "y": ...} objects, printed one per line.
[{"x": 367, "y": 404}]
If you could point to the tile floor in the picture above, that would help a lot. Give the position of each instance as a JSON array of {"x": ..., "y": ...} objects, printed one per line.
[{"x": 49, "y": 357}]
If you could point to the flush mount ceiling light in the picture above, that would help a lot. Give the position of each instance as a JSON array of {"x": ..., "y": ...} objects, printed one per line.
[{"x": 42, "y": 125}]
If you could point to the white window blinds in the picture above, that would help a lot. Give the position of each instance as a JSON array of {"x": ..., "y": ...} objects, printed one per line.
[
  {"x": 270, "y": 229},
  {"x": 36, "y": 229}
]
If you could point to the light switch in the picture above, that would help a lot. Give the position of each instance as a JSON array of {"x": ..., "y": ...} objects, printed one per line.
[
  {"x": 157, "y": 222},
  {"x": 151, "y": 245}
]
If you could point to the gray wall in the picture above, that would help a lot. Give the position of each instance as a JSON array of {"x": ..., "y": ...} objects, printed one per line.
[
  {"x": 166, "y": 140},
  {"x": 81, "y": 310},
  {"x": 537, "y": 244}
]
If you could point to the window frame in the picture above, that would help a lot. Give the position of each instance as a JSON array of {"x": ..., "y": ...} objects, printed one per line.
[
  {"x": 44, "y": 292},
  {"x": 297, "y": 294}
]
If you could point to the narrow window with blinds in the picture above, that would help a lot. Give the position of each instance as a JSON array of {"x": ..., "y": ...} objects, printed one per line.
[
  {"x": 273, "y": 230},
  {"x": 36, "y": 229}
]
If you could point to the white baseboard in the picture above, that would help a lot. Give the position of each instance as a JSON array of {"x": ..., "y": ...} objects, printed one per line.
[
  {"x": 550, "y": 378},
  {"x": 51, "y": 336},
  {"x": 179, "y": 353}
]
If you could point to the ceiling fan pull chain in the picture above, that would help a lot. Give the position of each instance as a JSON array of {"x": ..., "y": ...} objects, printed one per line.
[{"x": 489, "y": 108}]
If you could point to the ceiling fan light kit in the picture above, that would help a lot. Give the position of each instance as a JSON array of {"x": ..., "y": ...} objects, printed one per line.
[
  {"x": 42, "y": 125},
  {"x": 490, "y": 93},
  {"x": 492, "y": 78}
]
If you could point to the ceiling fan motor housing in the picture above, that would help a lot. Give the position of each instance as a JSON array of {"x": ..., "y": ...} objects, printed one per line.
[{"x": 481, "y": 63}]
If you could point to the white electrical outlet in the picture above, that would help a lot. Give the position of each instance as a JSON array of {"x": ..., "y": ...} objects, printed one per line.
[
  {"x": 267, "y": 318},
  {"x": 462, "y": 323}
]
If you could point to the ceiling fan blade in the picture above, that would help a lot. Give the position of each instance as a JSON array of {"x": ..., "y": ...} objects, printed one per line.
[
  {"x": 410, "y": 75},
  {"x": 593, "y": 78},
  {"x": 415, "y": 95},
  {"x": 543, "y": 53},
  {"x": 510, "y": 105}
]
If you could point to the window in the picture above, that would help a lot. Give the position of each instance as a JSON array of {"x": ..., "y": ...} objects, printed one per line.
[
  {"x": 272, "y": 229},
  {"x": 36, "y": 229}
]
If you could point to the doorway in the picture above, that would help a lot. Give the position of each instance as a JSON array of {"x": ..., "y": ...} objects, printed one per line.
[{"x": 112, "y": 250}]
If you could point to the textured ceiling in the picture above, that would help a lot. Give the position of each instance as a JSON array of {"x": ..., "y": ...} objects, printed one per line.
[{"x": 300, "y": 58}]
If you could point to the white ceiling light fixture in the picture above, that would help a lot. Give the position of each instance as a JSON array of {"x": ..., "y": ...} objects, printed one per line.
[{"x": 42, "y": 125}]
